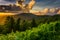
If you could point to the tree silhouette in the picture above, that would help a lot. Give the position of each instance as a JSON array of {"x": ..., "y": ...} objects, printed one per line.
[
  {"x": 33, "y": 23},
  {"x": 24, "y": 25},
  {"x": 9, "y": 24},
  {"x": 17, "y": 25}
]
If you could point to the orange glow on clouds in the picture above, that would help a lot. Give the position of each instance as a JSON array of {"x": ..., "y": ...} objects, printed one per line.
[
  {"x": 46, "y": 11},
  {"x": 58, "y": 12},
  {"x": 52, "y": 10}
]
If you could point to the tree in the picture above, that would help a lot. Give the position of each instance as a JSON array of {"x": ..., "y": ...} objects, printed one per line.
[
  {"x": 17, "y": 25},
  {"x": 33, "y": 23},
  {"x": 24, "y": 26},
  {"x": 9, "y": 24}
]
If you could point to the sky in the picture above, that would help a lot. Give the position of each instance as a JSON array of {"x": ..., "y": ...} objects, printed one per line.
[{"x": 40, "y": 4}]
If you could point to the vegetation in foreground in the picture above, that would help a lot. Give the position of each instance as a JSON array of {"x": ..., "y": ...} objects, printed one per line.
[{"x": 17, "y": 29}]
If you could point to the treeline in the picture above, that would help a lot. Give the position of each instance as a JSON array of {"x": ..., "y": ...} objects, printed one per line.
[
  {"x": 45, "y": 31},
  {"x": 48, "y": 19},
  {"x": 17, "y": 24},
  {"x": 12, "y": 24}
]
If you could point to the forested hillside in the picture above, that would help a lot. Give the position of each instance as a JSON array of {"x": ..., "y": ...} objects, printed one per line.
[{"x": 36, "y": 28}]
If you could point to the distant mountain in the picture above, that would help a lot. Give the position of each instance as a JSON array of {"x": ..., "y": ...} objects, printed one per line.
[{"x": 27, "y": 16}]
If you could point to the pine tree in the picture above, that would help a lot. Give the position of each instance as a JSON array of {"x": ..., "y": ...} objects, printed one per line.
[
  {"x": 33, "y": 23},
  {"x": 9, "y": 24},
  {"x": 24, "y": 25},
  {"x": 17, "y": 25}
]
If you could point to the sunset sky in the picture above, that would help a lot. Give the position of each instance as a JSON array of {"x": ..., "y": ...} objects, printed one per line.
[{"x": 40, "y": 4}]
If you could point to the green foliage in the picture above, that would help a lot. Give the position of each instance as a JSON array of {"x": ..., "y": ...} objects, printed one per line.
[
  {"x": 9, "y": 24},
  {"x": 17, "y": 25},
  {"x": 33, "y": 23},
  {"x": 42, "y": 32},
  {"x": 45, "y": 28},
  {"x": 24, "y": 25}
]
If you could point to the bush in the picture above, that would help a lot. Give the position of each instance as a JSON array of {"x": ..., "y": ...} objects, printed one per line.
[{"x": 42, "y": 32}]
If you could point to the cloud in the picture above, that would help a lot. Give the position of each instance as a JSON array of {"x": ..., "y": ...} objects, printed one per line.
[
  {"x": 58, "y": 12},
  {"x": 10, "y": 0},
  {"x": 52, "y": 10},
  {"x": 39, "y": 3},
  {"x": 46, "y": 10},
  {"x": 3, "y": 2}
]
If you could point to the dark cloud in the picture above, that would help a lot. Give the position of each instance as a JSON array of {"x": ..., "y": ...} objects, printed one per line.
[
  {"x": 48, "y": 3},
  {"x": 10, "y": 0},
  {"x": 42, "y": 3}
]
